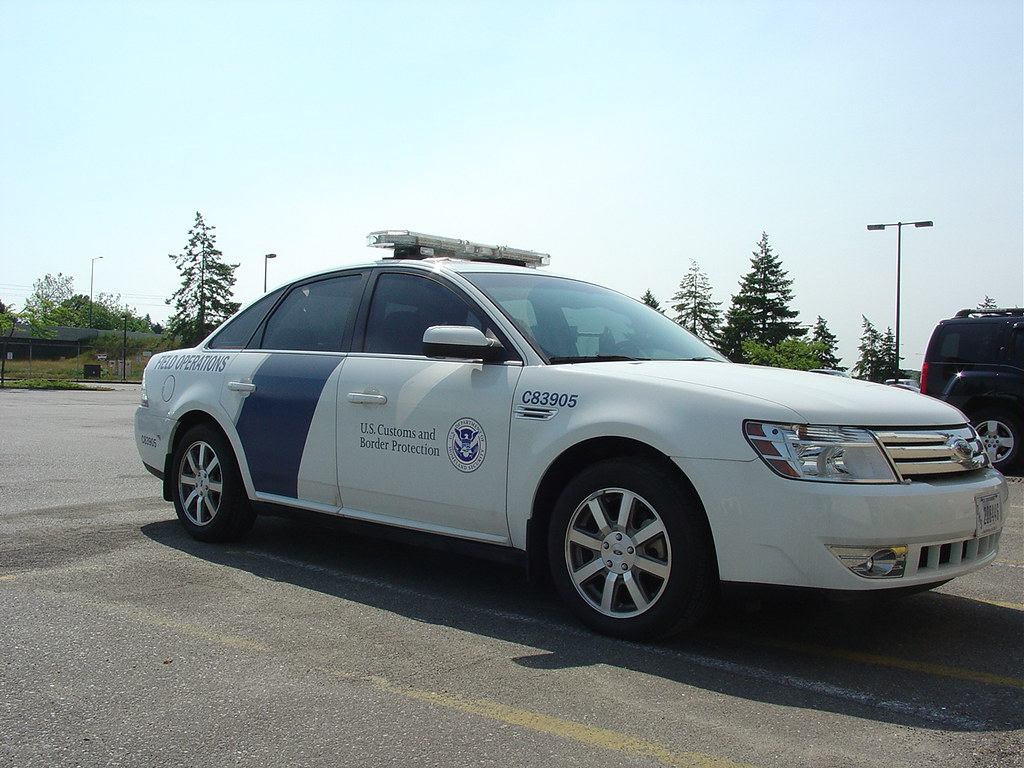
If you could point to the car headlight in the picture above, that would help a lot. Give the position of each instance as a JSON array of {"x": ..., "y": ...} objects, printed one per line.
[{"x": 829, "y": 454}]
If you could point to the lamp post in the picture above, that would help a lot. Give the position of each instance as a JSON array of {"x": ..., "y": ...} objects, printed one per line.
[
  {"x": 899, "y": 246},
  {"x": 124, "y": 345},
  {"x": 267, "y": 258},
  {"x": 92, "y": 272}
]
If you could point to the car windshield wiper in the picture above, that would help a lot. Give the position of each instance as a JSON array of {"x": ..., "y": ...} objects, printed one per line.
[{"x": 592, "y": 359}]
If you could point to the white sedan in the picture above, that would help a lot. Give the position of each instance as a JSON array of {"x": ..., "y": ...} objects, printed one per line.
[{"x": 461, "y": 389}]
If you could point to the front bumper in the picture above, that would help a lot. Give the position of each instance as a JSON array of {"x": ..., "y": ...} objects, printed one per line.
[{"x": 772, "y": 530}]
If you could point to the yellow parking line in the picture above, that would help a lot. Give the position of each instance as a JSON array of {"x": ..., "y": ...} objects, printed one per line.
[
  {"x": 1000, "y": 603},
  {"x": 55, "y": 571},
  {"x": 556, "y": 726},
  {"x": 231, "y": 641},
  {"x": 895, "y": 663},
  {"x": 535, "y": 721}
]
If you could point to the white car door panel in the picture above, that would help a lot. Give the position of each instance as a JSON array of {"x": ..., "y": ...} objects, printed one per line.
[{"x": 426, "y": 442}]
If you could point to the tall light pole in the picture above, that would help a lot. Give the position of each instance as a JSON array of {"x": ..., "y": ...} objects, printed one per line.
[
  {"x": 92, "y": 271},
  {"x": 267, "y": 258},
  {"x": 124, "y": 344},
  {"x": 899, "y": 247}
]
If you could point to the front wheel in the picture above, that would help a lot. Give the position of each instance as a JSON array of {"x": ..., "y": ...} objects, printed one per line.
[
  {"x": 209, "y": 497},
  {"x": 630, "y": 550},
  {"x": 1000, "y": 433}
]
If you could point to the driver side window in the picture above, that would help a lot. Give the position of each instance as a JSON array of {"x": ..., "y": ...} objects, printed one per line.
[{"x": 404, "y": 306}]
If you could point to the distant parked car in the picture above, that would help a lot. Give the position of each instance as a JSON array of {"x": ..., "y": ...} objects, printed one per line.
[
  {"x": 910, "y": 384},
  {"x": 975, "y": 361}
]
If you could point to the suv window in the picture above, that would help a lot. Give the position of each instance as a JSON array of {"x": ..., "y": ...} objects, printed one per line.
[
  {"x": 236, "y": 334},
  {"x": 405, "y": 305},
  {"x": 970, "y": 342},
  {"x": 314, "y": 317},
  {"x": 1017, "y": 348}
]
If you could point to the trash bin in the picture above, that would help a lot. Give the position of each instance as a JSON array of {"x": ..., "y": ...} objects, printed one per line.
[{"x": 92, "y": 371}]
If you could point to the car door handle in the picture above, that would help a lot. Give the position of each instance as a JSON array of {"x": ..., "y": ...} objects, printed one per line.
[
  {"x": 241, "y": 386},
  {"x": 367, "y": 398}
]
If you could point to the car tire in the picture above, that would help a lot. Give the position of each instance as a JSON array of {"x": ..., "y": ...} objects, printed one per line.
[
  {"x": 209, "y": 496},
  {"x": 1000, "y": 432},
  {"x": 630, "y": 550}
]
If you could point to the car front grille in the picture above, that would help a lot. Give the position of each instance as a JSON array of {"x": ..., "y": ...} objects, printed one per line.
[
  {"x": 926, "y": 452},
  {"x": 940, "y": 557}
]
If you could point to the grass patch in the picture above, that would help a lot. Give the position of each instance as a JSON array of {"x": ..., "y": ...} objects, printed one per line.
[{"x": 51, "y": 384}]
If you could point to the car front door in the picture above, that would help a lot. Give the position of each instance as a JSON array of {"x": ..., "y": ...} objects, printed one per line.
[{"x": 424, "y": 442}]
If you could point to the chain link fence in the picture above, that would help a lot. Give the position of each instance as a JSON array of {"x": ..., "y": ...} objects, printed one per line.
[{"x": 100, "y": 358}]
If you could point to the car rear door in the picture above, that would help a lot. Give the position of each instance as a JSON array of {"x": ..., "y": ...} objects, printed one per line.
[{"x": 282, "y": 392}]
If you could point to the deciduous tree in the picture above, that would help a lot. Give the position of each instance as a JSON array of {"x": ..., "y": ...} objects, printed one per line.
[{"x": 799, "y": 354}]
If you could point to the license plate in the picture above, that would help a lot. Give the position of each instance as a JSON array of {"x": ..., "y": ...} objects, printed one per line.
[{"x": 990, "y": 514}]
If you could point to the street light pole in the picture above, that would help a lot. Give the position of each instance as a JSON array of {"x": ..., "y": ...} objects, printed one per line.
[
  {"x": 92, "y": 272},
  {"x": 267, "y": 258},
  {"x": 124, "y": 345},
  {"x": 899, "y": 250}
]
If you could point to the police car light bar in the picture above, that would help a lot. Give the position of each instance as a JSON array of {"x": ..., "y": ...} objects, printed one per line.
[{"x": 415, "y": 245}]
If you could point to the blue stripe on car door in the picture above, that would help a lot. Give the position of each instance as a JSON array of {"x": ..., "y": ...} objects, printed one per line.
[{"x": 275, "y": 419}]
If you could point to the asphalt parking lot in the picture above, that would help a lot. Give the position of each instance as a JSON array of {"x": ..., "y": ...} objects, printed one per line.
[{"x": 127, "y": 643}]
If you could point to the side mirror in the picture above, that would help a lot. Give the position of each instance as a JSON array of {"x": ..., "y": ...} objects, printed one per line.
[{"x": 461, "y": 342}]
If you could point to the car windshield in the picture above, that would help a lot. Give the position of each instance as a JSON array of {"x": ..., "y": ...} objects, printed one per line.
[{"x": 571, "y": 322}]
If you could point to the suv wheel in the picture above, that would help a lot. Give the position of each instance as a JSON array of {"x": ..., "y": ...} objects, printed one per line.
[{"x": 1000, "y": 432}]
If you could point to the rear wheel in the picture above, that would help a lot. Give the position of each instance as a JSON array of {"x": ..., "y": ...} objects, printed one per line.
[
  {"x": 1000, "y": 432},
  {"x": 209, "y": 496},
  {"x": 630, "y": 550}
]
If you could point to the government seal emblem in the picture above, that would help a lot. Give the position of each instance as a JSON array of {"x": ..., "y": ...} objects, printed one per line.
[{"x": 467, "y": 445}]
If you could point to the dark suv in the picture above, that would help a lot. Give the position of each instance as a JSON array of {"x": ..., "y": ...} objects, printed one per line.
[{"x": 975, "y": 361}]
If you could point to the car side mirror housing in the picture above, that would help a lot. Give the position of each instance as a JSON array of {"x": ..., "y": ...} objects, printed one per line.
[{"x": 461, "y": 342}]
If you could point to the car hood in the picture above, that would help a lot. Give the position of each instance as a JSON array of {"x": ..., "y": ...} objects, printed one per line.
[{"x": 813, "y": 398}]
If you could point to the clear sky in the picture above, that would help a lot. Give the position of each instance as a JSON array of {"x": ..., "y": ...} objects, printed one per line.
[{"x": 624, "y": 138}]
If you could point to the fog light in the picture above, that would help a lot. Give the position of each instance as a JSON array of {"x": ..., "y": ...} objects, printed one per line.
[{"x": 873, "y": 562}]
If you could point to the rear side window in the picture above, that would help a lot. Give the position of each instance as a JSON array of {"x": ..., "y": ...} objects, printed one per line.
[
  {"x": 315, "y": 317},
  {"x": 236, "y": 334},
  {"x": 968, "y": 343}
]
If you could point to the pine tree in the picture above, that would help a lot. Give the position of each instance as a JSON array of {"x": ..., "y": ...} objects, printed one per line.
[
  {"x": 650, "y": 301},
  {"x": 204, "y": 299},
  {"x": 988, "y": 303},
  {"x": 877, "y": 354},
  {"x": 827, "y": 357},
  {"x": 889, "y": 362},
  {"x": 760, "y": 312},
  {"x": 694, "y": 307}
]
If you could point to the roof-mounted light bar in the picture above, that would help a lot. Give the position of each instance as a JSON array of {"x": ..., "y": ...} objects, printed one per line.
[{"x": 415, "y": 245}]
